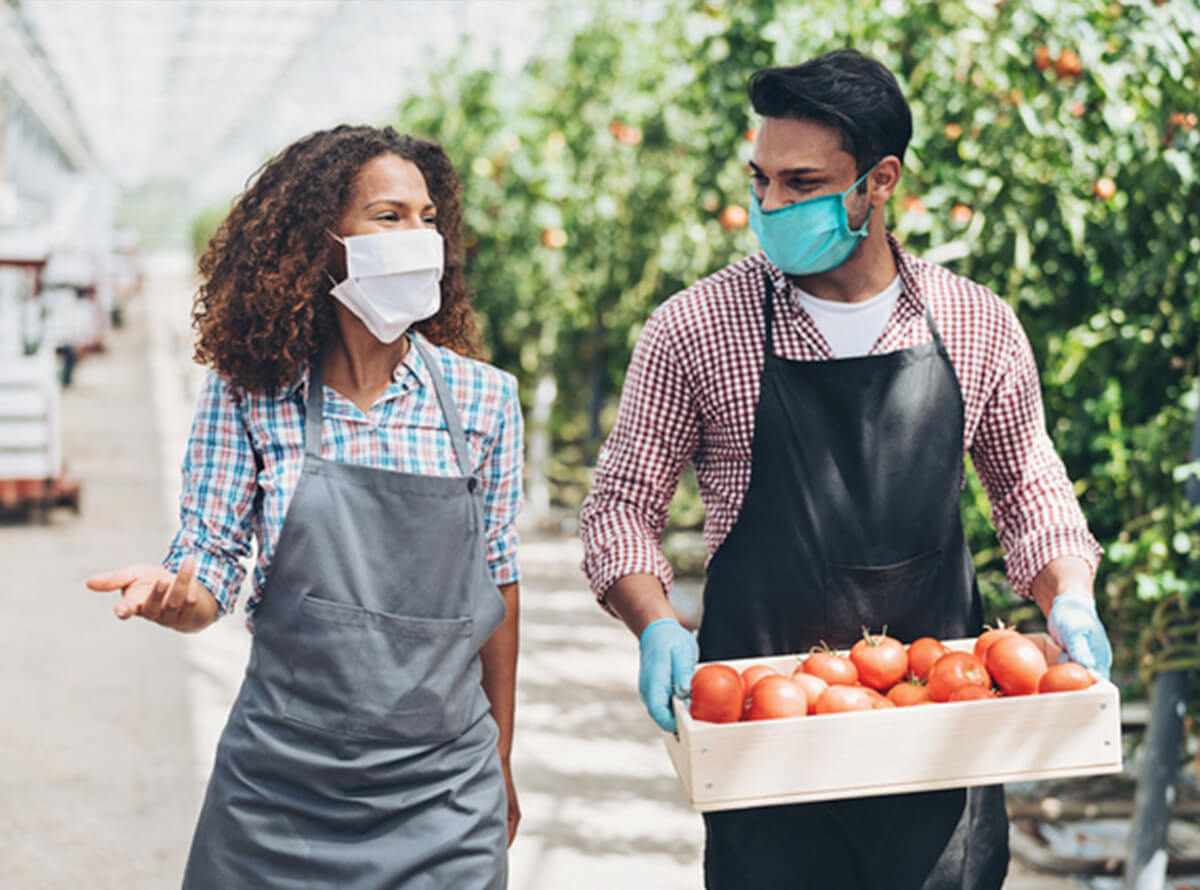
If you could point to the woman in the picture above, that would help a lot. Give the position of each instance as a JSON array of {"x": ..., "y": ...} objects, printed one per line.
[{"x": 378, "y": 470}]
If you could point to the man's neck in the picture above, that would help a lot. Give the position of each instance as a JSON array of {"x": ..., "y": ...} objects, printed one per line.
[{"x": 870, "y": 269}]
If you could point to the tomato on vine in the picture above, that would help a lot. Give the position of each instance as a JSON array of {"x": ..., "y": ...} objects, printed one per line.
[
  {"x": 834, "y": 669},
  {"x": 716, "y": 694},
  {"x": 922, "y": 653},
  {"x": 881, "y": 660},
  {"x": 1016, "y": 664}
]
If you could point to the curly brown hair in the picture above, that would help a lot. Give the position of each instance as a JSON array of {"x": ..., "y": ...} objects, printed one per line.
[{"x": 263, "y": 307}]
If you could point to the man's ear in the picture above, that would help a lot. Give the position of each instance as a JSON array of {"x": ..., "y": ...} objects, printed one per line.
[{"x": 882, "y": 181}]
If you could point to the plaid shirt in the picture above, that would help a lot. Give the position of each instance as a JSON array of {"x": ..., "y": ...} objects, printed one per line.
[
  {"x": 243, "y": 461},
  {"x": 692, "y": 389}
]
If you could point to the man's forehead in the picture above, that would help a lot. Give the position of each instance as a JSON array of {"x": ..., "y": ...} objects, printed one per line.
[{"x": 787, "y": 144}]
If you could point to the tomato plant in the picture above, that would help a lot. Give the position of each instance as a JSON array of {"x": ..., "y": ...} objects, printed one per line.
[
  {"x": 1016, "y": 664},
  {"x": 881, "y": 660},
  {"x": 841, "y": 697},
  {"x": 922, "y": 653},
  {"x": 834, "y": 669},
  {"x": 1065, "y": 677},
  {"x": 775, "y": 696},
  {"x": 584, "y": 154},
  {"x": 956, "y": 669},
  {"x": 716, "y": 694}
]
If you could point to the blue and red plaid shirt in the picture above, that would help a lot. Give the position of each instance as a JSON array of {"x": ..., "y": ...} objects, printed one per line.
[{"x": 243, "y": 461}]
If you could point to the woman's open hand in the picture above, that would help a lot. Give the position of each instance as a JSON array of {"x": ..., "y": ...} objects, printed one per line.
[{"x": 174, "y": 600}]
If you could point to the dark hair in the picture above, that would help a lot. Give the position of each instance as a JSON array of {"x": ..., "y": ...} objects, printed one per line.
[
  {"x": 847, "y": 90},
  {"x": 263, "y": 307}
]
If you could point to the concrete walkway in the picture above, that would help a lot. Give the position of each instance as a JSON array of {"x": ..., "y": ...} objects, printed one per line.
[{"x": 110, "y": 727}]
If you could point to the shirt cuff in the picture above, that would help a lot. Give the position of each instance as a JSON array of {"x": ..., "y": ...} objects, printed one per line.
[
  {"x": 504, "y": 571},
  {"x": 218, "y": 574},
  {"x": 603, "y": 569},
  {"x": 1042, "y": 547}
]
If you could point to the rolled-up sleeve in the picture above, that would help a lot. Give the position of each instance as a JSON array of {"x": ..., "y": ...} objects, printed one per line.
[
  {"x": 656, "y": 434},
  {"x": 1034, "y": 508},
  {"x": 219, "y": 485},
  {"x": 501, "y": 472}
]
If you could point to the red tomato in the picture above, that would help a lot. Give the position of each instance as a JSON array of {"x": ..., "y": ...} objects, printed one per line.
[
  {"x": 841, "y": 697},
  {"x": 989, "y": 636},
  {"x": 812, "y": 685},
  {"x": 922, "y": 653},
  {"x": 908, "y": 694},
  {"x": 956, "y": 669},
  {"x": 834, "y": 669},
  {"x": 716, "y": 694},
  {"x": 881, "y": 661},
  {"x": 1016, "y": 664},
  {"x": 878, "y": 699},
  {"x": 970, "y": 692},
  {"x": 1065, "y": 677},
  {"x": 776, "y": 696},
  {"x": 753, "y": 674}
]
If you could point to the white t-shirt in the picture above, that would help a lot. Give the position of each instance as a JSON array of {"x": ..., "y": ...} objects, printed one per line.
[{"x": 851, "y": 329}]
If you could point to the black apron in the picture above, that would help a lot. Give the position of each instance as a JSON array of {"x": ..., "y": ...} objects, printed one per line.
[
  {"x": 361, "y": 752},
  {"x": 851, "y": 519}
]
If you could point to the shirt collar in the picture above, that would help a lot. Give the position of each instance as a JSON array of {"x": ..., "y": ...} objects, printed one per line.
[{"x": 410, "y": 371}]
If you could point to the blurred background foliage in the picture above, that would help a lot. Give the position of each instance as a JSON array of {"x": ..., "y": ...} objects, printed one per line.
[{"x": 1054, "y": 160}]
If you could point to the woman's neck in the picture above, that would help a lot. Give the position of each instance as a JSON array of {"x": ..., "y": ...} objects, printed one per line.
[{"x": 360, "y": 367}]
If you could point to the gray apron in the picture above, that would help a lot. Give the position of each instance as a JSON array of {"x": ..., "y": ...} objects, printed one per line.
[{"x": 361, "y": 753}]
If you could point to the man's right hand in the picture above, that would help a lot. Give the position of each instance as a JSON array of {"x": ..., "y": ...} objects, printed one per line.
[
  {"x": 668, "y": 659},
  {"x": 174, "y": 600}
]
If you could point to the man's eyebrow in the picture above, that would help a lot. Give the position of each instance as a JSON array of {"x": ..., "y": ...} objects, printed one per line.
[{"x": 794, "y": 171}]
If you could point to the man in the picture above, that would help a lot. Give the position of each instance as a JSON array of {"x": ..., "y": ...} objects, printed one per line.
[{"x": 825, "y": 393}]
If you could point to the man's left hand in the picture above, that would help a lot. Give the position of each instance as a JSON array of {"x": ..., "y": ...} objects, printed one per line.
[{"x": 1075, "y": 626}]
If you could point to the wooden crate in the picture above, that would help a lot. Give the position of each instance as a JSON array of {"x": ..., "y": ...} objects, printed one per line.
[{"x": 894, "y": 750}]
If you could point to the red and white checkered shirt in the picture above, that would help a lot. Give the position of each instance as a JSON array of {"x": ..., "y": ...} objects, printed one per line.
[{"x": 691, "y": 392}]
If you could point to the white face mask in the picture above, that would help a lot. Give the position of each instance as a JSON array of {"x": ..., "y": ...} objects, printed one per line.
[{"x": 392, "y": 279}]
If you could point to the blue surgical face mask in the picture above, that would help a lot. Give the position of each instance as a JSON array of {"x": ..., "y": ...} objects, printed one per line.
[{"x": 808, "y": 237}]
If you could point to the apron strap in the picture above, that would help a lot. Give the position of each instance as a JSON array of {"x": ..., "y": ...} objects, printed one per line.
[
  {"x": 937, "y": 335},
  {"x": 453, "y": 421},
  {"x": 314, "y": 406},
  {"x": 768, "y": 314}
]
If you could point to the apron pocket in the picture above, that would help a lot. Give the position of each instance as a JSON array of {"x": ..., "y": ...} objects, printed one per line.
[
  {"x": 898, "y": 595},
  {"x": 365, "y": 673}
]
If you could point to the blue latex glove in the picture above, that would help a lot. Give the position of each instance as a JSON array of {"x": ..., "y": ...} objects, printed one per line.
[
  {"x": 668, "y": 659},
  {"x": 1076, "y": 628}
]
